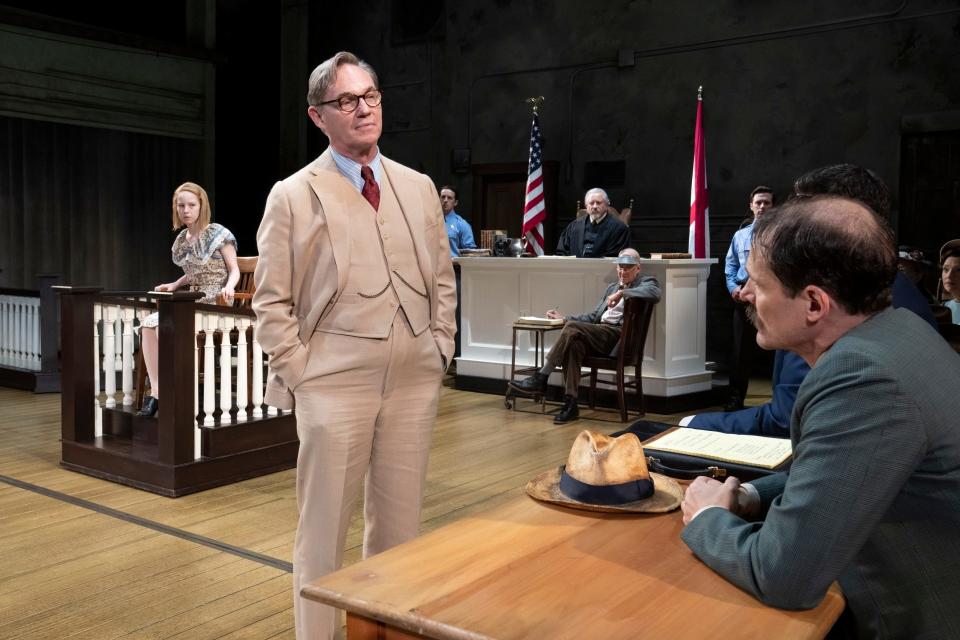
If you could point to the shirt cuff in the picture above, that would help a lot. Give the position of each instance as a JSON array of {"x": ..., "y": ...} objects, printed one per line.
[
  {"x": 702, "y": 509},
  {"x": 748, "y": 501},
  {"x": 685, "y": 421}
]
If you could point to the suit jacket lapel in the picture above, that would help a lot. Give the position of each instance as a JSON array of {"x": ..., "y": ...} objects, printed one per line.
[{"x": 333, "y": 191}]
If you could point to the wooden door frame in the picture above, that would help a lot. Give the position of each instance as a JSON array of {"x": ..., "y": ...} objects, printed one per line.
[{"x": 485, "y": 173}]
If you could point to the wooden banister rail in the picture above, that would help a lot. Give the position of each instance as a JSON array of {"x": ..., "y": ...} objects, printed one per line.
[
  {"x": 178, "y": 346},
  {"x": 29, "y": 337},
  {"x": 173, "y": 453},
  {"x": 77, "y": 393}
]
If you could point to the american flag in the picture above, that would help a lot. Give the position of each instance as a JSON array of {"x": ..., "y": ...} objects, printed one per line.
[{"x": 534, "y": 210}]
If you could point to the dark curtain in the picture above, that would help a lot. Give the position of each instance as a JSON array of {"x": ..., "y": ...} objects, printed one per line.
[{"x": 93, "y": 205}]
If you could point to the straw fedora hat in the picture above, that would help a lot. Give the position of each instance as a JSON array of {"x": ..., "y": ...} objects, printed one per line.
[{"x": 607, "y": 474}]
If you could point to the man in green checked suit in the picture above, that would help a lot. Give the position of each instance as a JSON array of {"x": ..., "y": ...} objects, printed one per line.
[{"x": 872, "y": 499}]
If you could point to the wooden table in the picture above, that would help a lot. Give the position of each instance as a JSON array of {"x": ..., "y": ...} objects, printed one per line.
[{"x": 530, "y": 570}]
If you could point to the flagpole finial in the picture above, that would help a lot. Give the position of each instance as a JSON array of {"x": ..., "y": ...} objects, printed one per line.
[
  {"x": 535, "y": 101},
  {"x": 700, "y": 92}
]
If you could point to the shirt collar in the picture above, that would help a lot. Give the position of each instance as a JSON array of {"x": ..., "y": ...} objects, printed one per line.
[
  {"x": 350, "y": 169},
  {"x": 599, "y": 218}
]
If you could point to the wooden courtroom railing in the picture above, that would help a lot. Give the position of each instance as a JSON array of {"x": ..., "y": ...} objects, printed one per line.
[
  {"x": 212, "y": 427},
  {"x": 29, "y": 348}
]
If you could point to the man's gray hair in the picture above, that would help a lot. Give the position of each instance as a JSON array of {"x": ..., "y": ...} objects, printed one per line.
[
  {"x": 326, "y": 74},
  {"x": 587, "y": 195}
]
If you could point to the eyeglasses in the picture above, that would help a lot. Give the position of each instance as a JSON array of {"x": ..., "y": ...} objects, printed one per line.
[{"x": 348, "y": 102}]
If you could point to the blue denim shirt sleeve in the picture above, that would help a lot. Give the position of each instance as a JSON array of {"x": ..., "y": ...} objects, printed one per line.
[
  {"x": 735, "y": 268},
  {"x": 459, "y": 233}
]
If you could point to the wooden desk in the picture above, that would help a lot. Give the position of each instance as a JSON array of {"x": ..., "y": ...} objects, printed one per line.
[{"x": 529, "y": 570}]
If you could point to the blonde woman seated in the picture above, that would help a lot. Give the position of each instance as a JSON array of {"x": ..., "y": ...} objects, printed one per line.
[
  {"x": 950, "y": 277},
  {"x": 207, "y": 253}
]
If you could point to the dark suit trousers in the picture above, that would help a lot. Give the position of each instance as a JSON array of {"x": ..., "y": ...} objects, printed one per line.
[
  {"x": 744, "y": 350},
  {"x": 577, "y": 341}
]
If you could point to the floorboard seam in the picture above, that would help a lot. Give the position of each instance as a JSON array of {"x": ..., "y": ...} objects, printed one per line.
[{"x": 269, "y": 561}]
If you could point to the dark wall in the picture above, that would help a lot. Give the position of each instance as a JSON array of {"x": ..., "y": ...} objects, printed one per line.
[
  {"x": 248, "y": 114},
  {"x": 787, "y": 88}
]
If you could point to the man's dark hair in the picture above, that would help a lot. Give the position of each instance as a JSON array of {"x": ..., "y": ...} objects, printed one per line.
[
  {"x": 763, "y": 189},
  {"x": 448, "y": 187},
  {"x": 831, "y": 242},
  {"x": 846, "y": 180}
]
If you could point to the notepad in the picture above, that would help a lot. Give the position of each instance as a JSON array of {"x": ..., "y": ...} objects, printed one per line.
[
  {"x": 549, "y": 322},
  {"x": 756, "y": 451}
]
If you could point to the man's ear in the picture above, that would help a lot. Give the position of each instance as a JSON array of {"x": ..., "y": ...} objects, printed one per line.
[
  {"x": 316, "y": 117},
  {"x": 818, "y": 303}
]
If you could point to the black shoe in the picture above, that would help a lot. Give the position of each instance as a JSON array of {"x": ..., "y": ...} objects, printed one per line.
[
  {"x": 733, "y": 404},
  {"x": 537, "y": 383},
  {"x": 569, "y": 413},
  {"x": 149, "y": 408}
]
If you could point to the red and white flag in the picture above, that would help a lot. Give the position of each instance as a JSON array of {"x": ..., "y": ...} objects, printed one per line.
[
  {"x": 698, "y": 245},
  {"x": 534, "y": 209}
]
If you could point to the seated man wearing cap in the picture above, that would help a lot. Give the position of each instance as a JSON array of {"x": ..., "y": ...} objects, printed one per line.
[
  {"x": 595, "y": 333},
  {"x": 872, "y": 498}
]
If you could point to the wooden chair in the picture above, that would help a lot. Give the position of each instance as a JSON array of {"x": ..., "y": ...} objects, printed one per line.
[
  {"x": 637, "y": 314},
  {"x": 243, "y": 294}
]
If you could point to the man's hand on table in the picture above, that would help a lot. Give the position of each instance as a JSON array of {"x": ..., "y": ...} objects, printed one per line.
[{"x": 707, "y": 492}]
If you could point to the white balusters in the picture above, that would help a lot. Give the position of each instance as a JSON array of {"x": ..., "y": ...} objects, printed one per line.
[
  {"x": 127, "y": 359},
  {"x": 242, "y": 325},
  {"x": 109, "y": 355},
  {"x": 226, "y": 379},
  {"x": 118, "y": 338},
  {"x": 208, "y": 371},
  {"x": 97, "y": 412},
  {"x": 17, "y": 332},
  {"x": 35, "y": 353},
  {"x": 20, "y": 332},
  {"x": 257, "y": 374}
]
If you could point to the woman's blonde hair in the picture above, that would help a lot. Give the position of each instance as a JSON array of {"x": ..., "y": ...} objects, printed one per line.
[{"x": 198, "y": 191}]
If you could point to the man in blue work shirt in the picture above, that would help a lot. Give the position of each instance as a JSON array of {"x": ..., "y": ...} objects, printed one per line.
[
  {"x": 744, "y": 333},
  {"x": 458, "y": 229},
  {"x": 461, "y": 237}
]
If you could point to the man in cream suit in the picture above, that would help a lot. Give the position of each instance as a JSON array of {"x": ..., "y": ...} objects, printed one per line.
[
  {"x": 355, "y": 306},
  {"x": 872, "y": 498}
]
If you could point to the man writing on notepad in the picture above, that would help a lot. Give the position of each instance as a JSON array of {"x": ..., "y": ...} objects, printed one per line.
[
  {"x": 872, "y": 498},
  {"x": 594, "y": 333}
]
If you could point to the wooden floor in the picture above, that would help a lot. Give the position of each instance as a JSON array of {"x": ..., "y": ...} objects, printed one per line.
[{"x": 87, "y": 558}]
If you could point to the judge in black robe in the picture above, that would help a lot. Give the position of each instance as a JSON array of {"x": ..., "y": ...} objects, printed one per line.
[{"x": 596, "y": 235}]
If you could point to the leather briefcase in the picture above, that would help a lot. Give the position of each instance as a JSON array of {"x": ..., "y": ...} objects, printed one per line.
[{"x": 687, "y": 467}]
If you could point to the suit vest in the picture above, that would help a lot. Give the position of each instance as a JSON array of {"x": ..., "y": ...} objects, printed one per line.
[{"x": 383, "y": 276}]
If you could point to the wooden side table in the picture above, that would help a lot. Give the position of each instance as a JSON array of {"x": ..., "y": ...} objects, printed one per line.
[{"x": 539, "y": 332}]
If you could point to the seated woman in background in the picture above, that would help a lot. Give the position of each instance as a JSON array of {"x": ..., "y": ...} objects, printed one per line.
[
  {"x": 950, "y": 277},
  {"x": 207, "y": 253}
]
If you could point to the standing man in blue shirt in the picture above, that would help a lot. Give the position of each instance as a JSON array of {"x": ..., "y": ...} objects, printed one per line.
[
  {"x": 461, "y": 237},
  {"x": 744, "y": 333},
  {"x": 458, "y": 229}
]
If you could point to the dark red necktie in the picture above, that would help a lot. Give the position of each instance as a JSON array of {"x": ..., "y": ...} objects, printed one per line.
[{"x": 370, "y": 189}]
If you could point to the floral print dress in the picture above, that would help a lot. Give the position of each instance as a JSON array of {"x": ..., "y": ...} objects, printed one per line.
[{"x": 202, "y": 262}]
